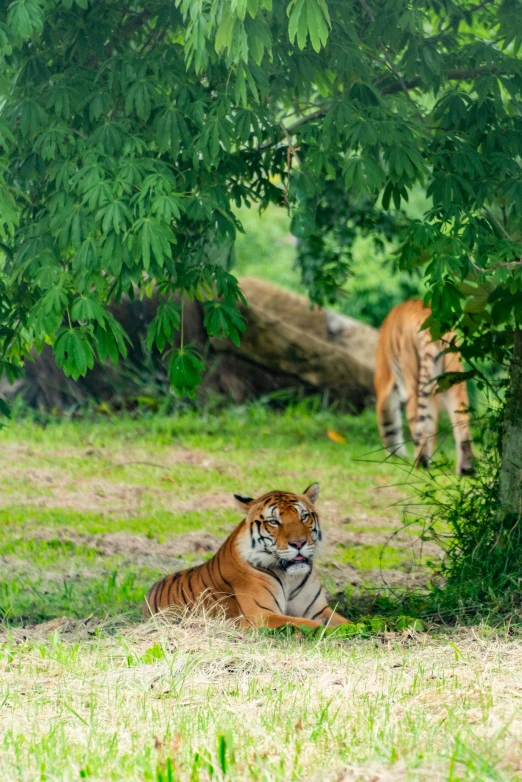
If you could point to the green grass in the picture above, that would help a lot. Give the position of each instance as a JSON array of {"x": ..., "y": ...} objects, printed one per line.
[
  {"x": 152, "y": 521},
  {"x": 66, "y": 484},
  {"x": 365, "y": 557},
  {"x": 93, "y": 511}
]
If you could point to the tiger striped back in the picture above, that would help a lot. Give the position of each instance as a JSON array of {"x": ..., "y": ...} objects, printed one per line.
[
  {"x": 264, "y": 574},
  {"x": 408, "y": 363}
]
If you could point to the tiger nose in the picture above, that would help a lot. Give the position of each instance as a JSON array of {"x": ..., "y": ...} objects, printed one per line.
[{"x": 298, "y": 543}]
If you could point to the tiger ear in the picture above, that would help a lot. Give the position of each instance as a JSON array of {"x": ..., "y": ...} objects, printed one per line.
[
  {"x": 312, "y": 492},
  {"x": 243, "y": 502}
]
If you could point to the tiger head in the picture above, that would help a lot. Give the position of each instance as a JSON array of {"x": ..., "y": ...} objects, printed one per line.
[{"x": 281, "y": 529}]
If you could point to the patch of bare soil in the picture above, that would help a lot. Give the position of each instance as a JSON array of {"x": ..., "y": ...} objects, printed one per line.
[
  {"x": 339, "y": 576},
  {"x": 52, "y": 486},
  {"x": 13, "y": 452},
  {"x": 149, "y": 552},
  {"x": 99, "y": 495},
  {"x": 138, "y": 549},
  {"x": 143, "y": 551},
  {"x": 408, "y": 575},
  {"x": 395, "y": 539},
  {"x": 344, "y": 511},
  {"x": 87, "y": 496},
  {"x": 69, "y": 629}
]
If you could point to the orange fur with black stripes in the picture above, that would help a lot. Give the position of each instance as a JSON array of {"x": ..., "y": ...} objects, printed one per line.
[
  {"x": 407, "y": 365},
  {"x": 263, "y": 575}
]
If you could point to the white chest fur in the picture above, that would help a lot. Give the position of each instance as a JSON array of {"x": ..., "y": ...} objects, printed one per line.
[{"x": 303, "y": 593}]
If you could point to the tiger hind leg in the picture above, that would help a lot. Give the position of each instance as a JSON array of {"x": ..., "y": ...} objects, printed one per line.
[
  {"x": 389, "y": 417},
  {"x": 426, "y": 431},
  {"x": 424, "y": 427},
  {"x": 456, "y": 403}
]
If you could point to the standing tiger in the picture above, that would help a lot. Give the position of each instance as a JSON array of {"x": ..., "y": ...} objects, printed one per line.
[
  {"x": 407, "y": 365},
  {"x": 263, "y": 575}
]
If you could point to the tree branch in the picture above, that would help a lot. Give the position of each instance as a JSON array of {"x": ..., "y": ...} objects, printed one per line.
[
  {"x": 497, "y": 223},
  {"x": 303, "y": 121},
  {"x": 511, "y": 265},
  {"x": 457, "y": 74}
]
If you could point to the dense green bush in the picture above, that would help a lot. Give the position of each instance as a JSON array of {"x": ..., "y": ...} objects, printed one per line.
[{"x": 482, "y": 568}]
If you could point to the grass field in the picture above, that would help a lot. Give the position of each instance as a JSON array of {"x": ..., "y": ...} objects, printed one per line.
[{"x": 93, "y": 511}]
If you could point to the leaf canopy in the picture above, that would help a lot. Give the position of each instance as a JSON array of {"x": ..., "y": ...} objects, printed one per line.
[{"x": 128, "y": 133}]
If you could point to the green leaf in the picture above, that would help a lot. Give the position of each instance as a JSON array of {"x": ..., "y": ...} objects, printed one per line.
[
  {"x": 240, "y": 91},
  {"x": 308, "y": 18},
  {"x": 87, "y": 308},
  {"x": 225, "y": 32},
  {"x": 32, "y": 118},
  {"x": 5, "y": 410},
  {"x": 409, "y": 623},
  {"x": 24, "y": 18},
  {"x": 161, "y": 328},
  {"x": 110, "y": 339},
  {"x": 138, "y": 99},
  {"x": 106, "y": 345},
  {"x": 241, "y": 9},
  {"x": 295, "y": 9},
  {"x": 171, "y": 129},
  {"x": 153, "y": 654},
  {"x": 54, "y": 300},
  {"x": 223, "y": 320},
  {"x": 73, "y": 352},
  {"x": 317, "y": 14},
  {"x": 184, "y": 369}
]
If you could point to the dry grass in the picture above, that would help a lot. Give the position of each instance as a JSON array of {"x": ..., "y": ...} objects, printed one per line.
[{"x": 205, "y": 699}]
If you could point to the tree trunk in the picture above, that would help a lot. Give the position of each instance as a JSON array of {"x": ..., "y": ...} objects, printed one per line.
[{"x": 511, "y": 468}]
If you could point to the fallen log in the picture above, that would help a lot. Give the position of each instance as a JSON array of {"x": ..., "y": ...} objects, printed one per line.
[{"x": 323, "y": 349}]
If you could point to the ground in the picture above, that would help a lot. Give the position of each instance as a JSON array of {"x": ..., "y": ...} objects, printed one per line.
[{"x": 93, "y": 511}]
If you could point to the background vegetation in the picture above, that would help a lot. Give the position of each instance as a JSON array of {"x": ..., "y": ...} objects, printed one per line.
[
  {"x": 132, "y": 136},
  {"x": 267, "y": 249}
]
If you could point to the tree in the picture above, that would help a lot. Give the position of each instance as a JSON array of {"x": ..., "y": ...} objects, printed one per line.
[{"x": 129, "y": 130}]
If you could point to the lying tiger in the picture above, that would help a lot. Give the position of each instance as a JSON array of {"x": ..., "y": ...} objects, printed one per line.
[
  {"x": 407, "y": 365},
  {"x": 263, "y": 575}
]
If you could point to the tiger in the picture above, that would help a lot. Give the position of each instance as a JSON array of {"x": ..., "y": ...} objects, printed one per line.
[
  {"x": 264, "y": 574},
  {"x": 408, "y": 363}
]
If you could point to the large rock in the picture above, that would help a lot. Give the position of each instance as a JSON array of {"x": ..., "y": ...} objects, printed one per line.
[{"x": 287, "y": 345}]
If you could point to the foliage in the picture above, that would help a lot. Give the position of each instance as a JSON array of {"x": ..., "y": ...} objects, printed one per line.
[
  {"x": 374, "y": 284},
  {"x": 267, "y": 236},
  {"x": 365, "y": 627},
  {"x": 328, "y": 230},
  {"x": 482, "y": 567},
  {"x": 128, "y": 132},
  {"x": 218, "y": 704}
]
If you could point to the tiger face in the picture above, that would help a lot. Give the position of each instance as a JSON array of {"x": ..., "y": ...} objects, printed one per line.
[{"x": 283, "y": 530}]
